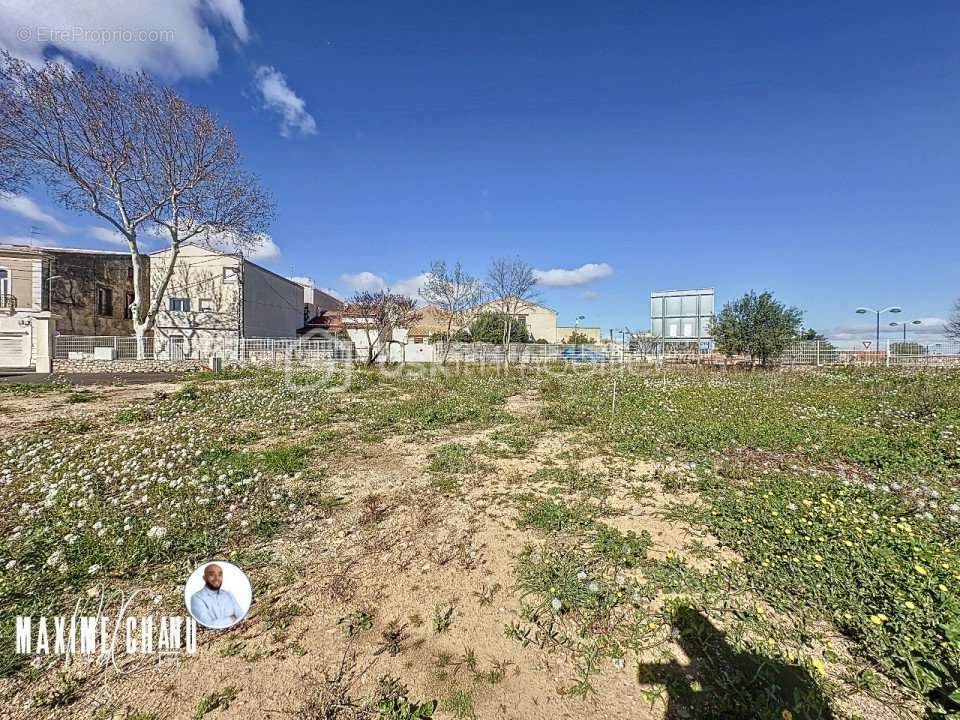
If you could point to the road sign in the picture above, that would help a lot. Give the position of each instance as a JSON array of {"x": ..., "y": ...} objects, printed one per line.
[{"x": 866, "y": 344}]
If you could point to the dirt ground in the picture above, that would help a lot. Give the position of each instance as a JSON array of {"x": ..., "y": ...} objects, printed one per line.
[
  {"x": 22, "y": 413},
  {"x": 421, "y": 552}
]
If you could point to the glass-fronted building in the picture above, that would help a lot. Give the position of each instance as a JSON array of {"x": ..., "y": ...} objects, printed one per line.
[{"x": 682, "y": 315}]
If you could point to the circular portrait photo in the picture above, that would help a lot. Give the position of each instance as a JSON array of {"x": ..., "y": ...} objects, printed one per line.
[{"x": 218, "y": 594}]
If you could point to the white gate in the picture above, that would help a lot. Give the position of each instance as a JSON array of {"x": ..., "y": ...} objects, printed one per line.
[{"x": 15, "y": 348}]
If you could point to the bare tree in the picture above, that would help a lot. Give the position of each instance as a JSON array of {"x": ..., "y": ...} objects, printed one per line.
[
  {"x": 511, "y": 285},
  {"x": 12, "y": 178},
  {"x": 379, "y": 314},
  {"x": 952, "y": 327},
  {"x": 454, "y": 293},
  {"x": 140, "y": 157}
]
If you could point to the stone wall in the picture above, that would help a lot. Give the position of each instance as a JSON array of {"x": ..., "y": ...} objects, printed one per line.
[{"x": 125, "y": 366}]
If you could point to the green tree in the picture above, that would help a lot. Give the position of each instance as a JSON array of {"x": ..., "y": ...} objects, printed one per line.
[
  {"x": 756, "y": 325},
  {"x": 578, "y": 338},
  {"x": 907, "y": 348},
  {"x": 810, "y": 335},
  {"x": 491, "y": 327}
]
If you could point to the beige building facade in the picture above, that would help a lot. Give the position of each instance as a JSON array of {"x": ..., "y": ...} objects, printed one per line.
[{"x": 215, "y": 298}]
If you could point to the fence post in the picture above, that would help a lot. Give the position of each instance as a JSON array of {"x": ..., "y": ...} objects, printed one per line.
[
  {"x": 888, "y": 354},
  {"x": 818, "y": 353}
]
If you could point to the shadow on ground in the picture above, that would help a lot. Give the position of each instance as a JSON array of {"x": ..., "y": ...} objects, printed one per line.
[{"x": 721, "y": 682}]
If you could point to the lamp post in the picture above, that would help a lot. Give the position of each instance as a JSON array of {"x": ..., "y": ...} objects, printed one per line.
[
  {"x": 50, "y": 290},
  {"x": 904, "y": 325},
  {"x": 864, "y": 310}
]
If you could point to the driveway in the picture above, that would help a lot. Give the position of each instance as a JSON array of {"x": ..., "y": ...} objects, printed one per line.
[{"x": 32, "y": 378}]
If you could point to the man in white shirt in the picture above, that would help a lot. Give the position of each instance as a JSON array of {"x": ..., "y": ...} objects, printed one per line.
[{"x": 212, "y": 606}]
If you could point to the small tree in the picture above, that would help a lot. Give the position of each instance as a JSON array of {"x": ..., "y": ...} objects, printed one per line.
[
  {"x": 491, "y": 327},
  {"x": 952, "y": 328},
  {"x": 379, "y": 314},
  {"x": 811, "y": 335},
  {"x": 756, "y": 325},
  {"x": 137, "y": 156},
  {"x": 511, "y": 285},
  {"x": 908, "y": 347},
  {"x": 578, "y": 338},
  {"x": 454, "y": 294}
]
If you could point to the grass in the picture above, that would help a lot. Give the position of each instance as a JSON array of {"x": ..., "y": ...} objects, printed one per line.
[
  {"x": 219, "y": 700},
  {"x": 821, "y": 513}
]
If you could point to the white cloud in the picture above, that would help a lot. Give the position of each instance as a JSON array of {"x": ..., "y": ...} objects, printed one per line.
[
  {"x": 279, "y": 97},
  {"x": 331, "y": 292},
  {"x": 301, "y": 280},
  {"x": 929, "y": 326},
  {"x": 105, "y": 235},
  {"x": 589, "y": 295},
  {"x": 372, "y": 282},
  {"x": 266, "y": 249},
  {"x": 25, "y": 207},
  {"x": 582, "y": 275},
  {"x": 172, "y": 38},
  {"x": 411, "y": 286},
  {"x": 363, "y": 281}
]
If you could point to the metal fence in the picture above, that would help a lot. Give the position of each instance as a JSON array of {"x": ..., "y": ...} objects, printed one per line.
[
  {"x": 600, "y": 353},
  {"x": 261, "y": 351},
  {"x": 891, "y": 353},
  {"x": 85, "y": 347},
  {"x": 276, "y": 351}
]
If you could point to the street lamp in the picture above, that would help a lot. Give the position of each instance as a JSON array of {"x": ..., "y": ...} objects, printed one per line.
[
  {"x": 49, "y": 280},
  {"x": 865, "y": 310},
  {"x": 576, "y": 323},
  {"x": 904, "y": 324}
]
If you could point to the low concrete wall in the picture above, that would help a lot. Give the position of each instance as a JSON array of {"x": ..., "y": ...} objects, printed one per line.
[{"x": 125, "y": 366}]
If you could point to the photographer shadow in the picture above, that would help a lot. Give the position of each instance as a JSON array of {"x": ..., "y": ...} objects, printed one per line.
[{"x": 722, "y": 682}]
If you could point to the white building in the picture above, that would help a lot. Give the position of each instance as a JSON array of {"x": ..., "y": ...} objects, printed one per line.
[{"x": 214, "y": 298}]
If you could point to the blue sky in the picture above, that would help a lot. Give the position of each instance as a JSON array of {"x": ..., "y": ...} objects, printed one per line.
[{"x": 807, "y": 148}]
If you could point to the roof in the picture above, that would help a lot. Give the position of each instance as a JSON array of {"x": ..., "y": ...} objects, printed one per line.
[
  {"x": 330, "y": 320},
  {"x": 525, "y": 303},
  {"x": 21, "y": 249},
  {"x": 694, "y": 291},
  {"x": 430, "y": 322},
  {"x": 85, "y": 251}
]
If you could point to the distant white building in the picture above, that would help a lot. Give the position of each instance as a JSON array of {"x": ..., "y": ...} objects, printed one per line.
[
  {"x": 215, "y": 298},
  {"x": 682, "y": 315}
]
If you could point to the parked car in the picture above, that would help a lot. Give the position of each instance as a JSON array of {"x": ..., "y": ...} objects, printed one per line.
[{"x": 581, "y": 354}]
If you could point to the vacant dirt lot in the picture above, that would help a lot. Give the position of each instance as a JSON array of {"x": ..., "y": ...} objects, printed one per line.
[{"x": 479, "y": 543}]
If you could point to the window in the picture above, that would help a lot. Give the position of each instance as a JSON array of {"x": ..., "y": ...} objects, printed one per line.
[
  {"x": 656, "y": 307},
  {"x": 4, "y": 285},
  {"x": 206, "y": 305},
  {"x": 104, "y": 301},
  {"x": 179, "y": 304},
  {"x": 230, "y": 275},
  {"x": 127, "y": 310}
]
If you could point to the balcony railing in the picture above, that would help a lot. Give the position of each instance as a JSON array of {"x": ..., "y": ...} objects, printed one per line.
[{"x": 8, "y": 303}]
